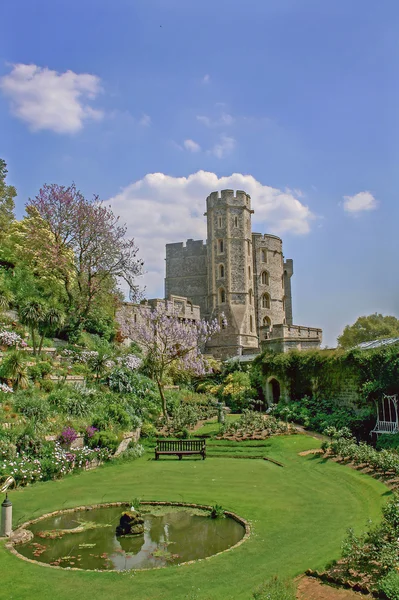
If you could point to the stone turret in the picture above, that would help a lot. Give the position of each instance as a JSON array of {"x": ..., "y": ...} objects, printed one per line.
[{"x": 230, "y": 269}]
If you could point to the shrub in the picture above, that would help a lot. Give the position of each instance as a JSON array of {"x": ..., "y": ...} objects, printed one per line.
[
  {"x": 387, "y": 441},
  {"x": 148, "y": 430},
  {"x": 104, "y": 439},
  {"x": 390, "y": 585},
  {"x": 32, "y": 406},
  {"x": 73, "y": 400},
  {"x": 275, "y": 589},
  {"x": 47, "y": 385},
  {"x": 119, "y": 416},
  {"x": 133, "y": 452}
]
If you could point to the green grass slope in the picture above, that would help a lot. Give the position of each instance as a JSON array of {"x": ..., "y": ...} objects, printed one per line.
[{"x": 298, "y": 514}]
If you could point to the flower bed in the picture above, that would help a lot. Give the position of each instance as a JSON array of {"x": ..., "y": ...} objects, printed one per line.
[{"x": 54, "y": 463}]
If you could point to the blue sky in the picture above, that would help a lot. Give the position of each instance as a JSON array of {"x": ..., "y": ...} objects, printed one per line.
[{"x": 295, "y": 101}]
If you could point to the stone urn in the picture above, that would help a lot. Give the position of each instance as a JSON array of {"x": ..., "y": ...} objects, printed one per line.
[{"x": 130, "y": 523}]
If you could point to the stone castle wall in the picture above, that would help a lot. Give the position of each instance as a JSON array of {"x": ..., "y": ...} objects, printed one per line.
[
  {"x": 237, "y": 275},
  {"x": 187, "y": 272}
]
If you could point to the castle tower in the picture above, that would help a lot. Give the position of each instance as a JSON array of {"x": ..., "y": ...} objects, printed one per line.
[
  {"x": 273, "y": 300},
  {"x": 230, "y": 270}
]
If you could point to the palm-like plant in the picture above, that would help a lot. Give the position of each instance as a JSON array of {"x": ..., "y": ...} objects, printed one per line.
[
  {"x": 32, "y": 314},
  {"x": 14, "y": 368},
  {"x": 52, "y": 319},
  {"x": 6, "y": 298}
]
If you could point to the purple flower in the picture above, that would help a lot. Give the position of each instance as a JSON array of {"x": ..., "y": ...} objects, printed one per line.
[
  {"x": 68, "y": 436},
  {"x": 90, "y": 431}
]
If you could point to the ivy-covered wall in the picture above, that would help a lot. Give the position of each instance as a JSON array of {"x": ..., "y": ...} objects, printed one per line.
[{"x": 355, "y": 377}]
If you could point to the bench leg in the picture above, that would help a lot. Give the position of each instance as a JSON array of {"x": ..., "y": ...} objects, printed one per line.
[
  {"x": 180, "y": 456},
  {"x": 156, "y": 456}
]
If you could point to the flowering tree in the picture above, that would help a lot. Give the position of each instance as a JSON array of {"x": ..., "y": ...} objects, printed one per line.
[
  {"x": 168, "y": 341},
  {"x": 85, "y": 244}
]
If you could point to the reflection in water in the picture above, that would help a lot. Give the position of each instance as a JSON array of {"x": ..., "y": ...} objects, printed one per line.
[{"x": 171, "y": 538}]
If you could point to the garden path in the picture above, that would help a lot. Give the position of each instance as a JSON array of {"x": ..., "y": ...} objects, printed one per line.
[{"x": 310, "y": 588}]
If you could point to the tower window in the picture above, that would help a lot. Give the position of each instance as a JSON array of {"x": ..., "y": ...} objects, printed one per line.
[
  {"x": 251, "y": 325},
  {"x": 263, "y": 255},
  {"x": 266, "y": 322},
  {"x": 284, "y": 304},
  {"x": 265, "y": 301},
  {"x": 282, "y": 281},
  {"x": 250, "y": 296},
  {"x": 221, "y": 271},
  {"x": 222, "y": 296},
  {"x": 235, "y": 221},
  {"x": 265, "y": 278},
  {"x": 249, "y": 272},
  {"x": 220, "y": 222},
  {"x": 221, "y": 246},
  {"x": 249, "y": 247}
]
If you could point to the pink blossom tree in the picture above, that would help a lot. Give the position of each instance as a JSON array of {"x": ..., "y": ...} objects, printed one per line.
[
  {"x": 168, "y": 341},
  {"x": 84, "y": 243}
]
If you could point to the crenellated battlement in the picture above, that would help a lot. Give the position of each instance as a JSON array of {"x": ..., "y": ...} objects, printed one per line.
[
  {"x": 188, "y": 248},
  {"x": 238, "y": 198}
]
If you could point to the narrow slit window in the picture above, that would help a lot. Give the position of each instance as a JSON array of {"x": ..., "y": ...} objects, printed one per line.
[
  {"x": 265, "y": 301},
  {"x": 265, "y": 278}
]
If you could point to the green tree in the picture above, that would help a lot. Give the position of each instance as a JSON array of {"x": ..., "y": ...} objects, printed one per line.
[
  {"x": 7, "y": 195},
  {"x": 51, "y": 320},
  {"x": 367, "y": 329}
]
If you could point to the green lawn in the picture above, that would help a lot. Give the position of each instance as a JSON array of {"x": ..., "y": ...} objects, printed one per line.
[{"x": 298, "y": 515}]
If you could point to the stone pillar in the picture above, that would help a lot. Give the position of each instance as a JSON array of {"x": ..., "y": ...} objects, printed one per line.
[{"x": 6, "y": 518}]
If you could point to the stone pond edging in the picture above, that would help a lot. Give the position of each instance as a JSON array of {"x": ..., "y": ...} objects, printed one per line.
[{"x": 19, "y": 536}]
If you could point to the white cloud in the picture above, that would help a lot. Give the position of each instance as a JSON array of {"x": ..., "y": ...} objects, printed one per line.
[
  {"x": 145, "y": 121},
  {"x": 363, "y": 201},
  {"x": 206, "y": 79},
  {"x": 46, "y": 99},
  {"x": 222, "y": 121},
  {"x": 192, "y": 146},
  {"x": 159, "y": 209},
  {"x": 224, "y": 147}
]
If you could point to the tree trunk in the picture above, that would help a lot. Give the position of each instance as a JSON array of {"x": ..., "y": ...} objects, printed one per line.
[
  {"x": 40, "y": 344},
  {"x": 162, "y": 394},
  {"x": 32, "y": 332}
]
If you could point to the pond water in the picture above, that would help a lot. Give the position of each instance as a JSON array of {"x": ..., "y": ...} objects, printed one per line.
[{"x": 171, "y": 536}]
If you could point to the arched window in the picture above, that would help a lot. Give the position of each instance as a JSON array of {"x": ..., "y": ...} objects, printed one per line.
[
  {"x": 251, "y": 325},
  {"x": 265, "y": 301},
  {"x": 221, "y": 271},
  {"x": 222, "y": 296},
  {"x": 265, "y": 278},
  {"x": 220, "y": 222},
  {"x": 250, "y": 296},
  {"x": 221, "y": 246},
  {"x": 263, "y": 255},
  {"x": 266, "y": 322}
]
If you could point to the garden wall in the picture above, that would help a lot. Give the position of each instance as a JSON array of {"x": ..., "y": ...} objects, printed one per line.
[{"x": 353, "y": 378}]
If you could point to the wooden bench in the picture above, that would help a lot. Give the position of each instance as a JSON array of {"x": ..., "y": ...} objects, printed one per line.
[{"x": 180, "y": 448}]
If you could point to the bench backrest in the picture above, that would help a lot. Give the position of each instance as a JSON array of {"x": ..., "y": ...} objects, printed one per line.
[{"x": 180, "y": 445}]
